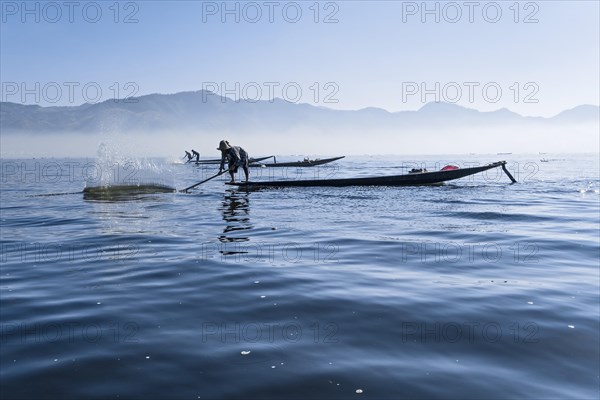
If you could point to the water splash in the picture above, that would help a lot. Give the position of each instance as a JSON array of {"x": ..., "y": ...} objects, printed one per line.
[
  {"x": 116, "y": 171},
  {"x": 590, "y": 188}
]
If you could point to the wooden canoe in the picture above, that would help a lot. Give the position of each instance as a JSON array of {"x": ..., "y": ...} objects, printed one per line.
[
  {"x": 411, "y": 179},
  {"x": 218, "y": 160},
  {"x": 307, "y": 163}
]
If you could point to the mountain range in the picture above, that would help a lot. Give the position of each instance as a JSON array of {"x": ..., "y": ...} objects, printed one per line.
[
  {"x": 158, "y": 123},
  {"x": 193, "y": 111}
]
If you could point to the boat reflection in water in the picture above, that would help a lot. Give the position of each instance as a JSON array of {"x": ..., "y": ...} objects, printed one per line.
[{"x": 235, "y": 209}]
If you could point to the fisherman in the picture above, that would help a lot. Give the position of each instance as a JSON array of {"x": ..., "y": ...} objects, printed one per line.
[
  {"x": 236, "y": 157},
  {"x": 196, "y": 154},
  {"x": 188, "y": 155}
]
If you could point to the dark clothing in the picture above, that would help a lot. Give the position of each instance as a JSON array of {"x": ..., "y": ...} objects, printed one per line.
[
  {"x": 188, "y": 155},
  {"x": 196, "y": 154},
  {"x": 236, "y": 157}
]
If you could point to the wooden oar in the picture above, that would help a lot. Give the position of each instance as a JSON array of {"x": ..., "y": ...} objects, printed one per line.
[
  {"x": 253, "y": 160},
  {"x": 508, "y": 173},
  {"x": 200, "y": 183}
]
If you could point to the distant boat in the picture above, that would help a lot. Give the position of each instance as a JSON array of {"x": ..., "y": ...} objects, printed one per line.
[
  {"x": 218, "y": 160},
  {"x": 544, "y": 160},
  {"x": 304, "y": 163}
]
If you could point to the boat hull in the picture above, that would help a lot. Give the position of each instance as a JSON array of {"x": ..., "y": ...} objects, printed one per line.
[
  {"x": 312, "y": 163},
  {"x": 424, "y": 178},
  {"x": 218, "y": 160}
]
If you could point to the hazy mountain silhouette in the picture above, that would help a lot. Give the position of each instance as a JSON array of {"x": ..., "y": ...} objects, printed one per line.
[{"x": 200, "y": 110}]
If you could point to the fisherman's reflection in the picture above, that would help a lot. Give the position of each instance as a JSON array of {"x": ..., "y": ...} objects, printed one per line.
[{"x": 236, "y": 213}]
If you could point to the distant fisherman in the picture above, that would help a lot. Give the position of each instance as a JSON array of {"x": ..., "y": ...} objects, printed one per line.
[
  {"x": 236, "y": 157},
  {"x": 196, "y": 154},
  {"x": 188, "y": 155}
]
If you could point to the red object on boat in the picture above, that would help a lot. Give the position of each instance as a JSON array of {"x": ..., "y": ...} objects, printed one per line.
[{"x": 449, "y": 168}]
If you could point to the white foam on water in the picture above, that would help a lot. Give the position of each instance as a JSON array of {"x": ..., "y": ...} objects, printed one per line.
[{"x": 112, "y": 168}]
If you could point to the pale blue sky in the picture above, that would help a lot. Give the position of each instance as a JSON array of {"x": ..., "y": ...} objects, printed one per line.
[{"x": 370, "y": 54}]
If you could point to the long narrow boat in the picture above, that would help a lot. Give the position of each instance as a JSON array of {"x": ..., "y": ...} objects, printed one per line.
[
  {"x": 218, "y": 160},
  {"x": 411, "y": 179},
  {"x": 305, "y": 163}
]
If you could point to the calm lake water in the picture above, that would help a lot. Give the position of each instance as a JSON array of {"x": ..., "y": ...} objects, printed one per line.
[{"x": 475, "y": 289}]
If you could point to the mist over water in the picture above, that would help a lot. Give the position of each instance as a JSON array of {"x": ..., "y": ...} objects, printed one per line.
[
  {"x": 341, "y": 137},
  {"x": 474, "y": 289}
]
